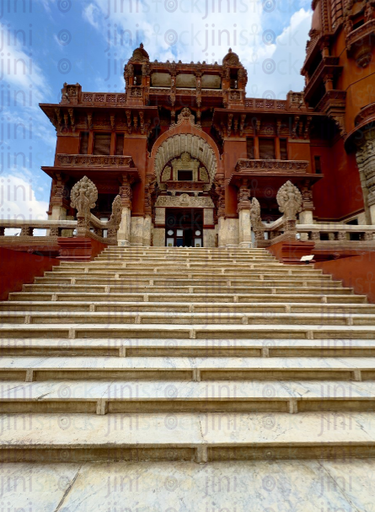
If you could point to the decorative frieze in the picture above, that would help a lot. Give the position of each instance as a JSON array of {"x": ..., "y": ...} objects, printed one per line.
[
  {"x": 95, "y": 161},
  {"x": 185, "y": 201},
  {"x": 290, "y": 166}
]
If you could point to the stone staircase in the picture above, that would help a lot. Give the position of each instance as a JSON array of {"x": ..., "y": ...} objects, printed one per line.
[{"x": 194, "y": 355}]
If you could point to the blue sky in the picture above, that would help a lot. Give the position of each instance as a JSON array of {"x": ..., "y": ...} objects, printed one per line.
[{"x": 45, "y": 43}]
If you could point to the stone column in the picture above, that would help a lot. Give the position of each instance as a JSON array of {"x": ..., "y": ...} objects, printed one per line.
[
  {"x": 123, "y": 235},
  {"x": 159, "y": 229},
  {"x": 221, "y": 231},
  {"x": 244, "y": 227},
  {"x": 306, "y": 216},
  {"x": 147, "y": 229},
  {"x": 220, "y": 202},
  {"x": 366, "y": 164},
  {"x": 147, "y": 225}
]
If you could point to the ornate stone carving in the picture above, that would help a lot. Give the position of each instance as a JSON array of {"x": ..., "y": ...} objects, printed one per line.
[
  {"x": 185, "y": 116},
  {"x": 274, "y": 166},
  {"x": 95, "y": 160},
  {"x": 184, "y": 200},
  {"x": 196, "y": 146},
  {"x": 289, "y": 199},
  {"x": 256, "y": 220},
  {"x": 126, "y": 192},
  {"x": 115, "y": 219},
  {"x": 243, "y": 197},
  {"x": 366, "y": 165},
  {"x": 83, "y": 198}
]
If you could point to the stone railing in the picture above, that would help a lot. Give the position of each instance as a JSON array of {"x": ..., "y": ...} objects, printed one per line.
[
  {"x": 54, "y": 227},
  {"x": 66, "y": 160},
  {"x": 268, "y": 165},
  {"x": 83, "y": 197},
  {"x": 336, "y": 232},
  {"x": 265, "y": 104},
  {"x": 324, "y": 235}
]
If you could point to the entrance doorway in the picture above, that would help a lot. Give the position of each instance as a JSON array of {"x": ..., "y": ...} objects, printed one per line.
[{"x": 184, "y": 227}]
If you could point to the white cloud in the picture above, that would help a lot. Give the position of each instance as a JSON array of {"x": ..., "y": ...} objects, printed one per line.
[
  {"x": 203, "y": 31},
  {"x": 18, "y": 199},
  {"x": 91, "y": 14}
]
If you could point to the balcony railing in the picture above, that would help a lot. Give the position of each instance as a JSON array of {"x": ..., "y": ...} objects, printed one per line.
[{"x": 272, "y": 166}]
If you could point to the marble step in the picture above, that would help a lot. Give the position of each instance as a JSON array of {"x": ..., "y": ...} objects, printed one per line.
[
  {"x": 178, "y": 318},
  {"x": 160, "y": 272},
  {"x": 107, "y": 397},
  {"x": 219, "y": 298},
  {"x": 325, "y": 310},
  {"x": 286, "y": 281},
  {"x": 220, "y": 486},
  {"x": 30, "y": 369},
  {"x": 205, "y": 437},
  {"x": 154, "y": 347},
  {"x": 192, "y": 331},
  {"x": 322, "y": 288}
]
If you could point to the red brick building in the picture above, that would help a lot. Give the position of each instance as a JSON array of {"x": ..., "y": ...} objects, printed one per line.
[{"x": 186, "y": 149}]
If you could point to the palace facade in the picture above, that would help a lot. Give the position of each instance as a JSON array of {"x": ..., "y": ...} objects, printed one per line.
[{"x": 186, "y": 150}]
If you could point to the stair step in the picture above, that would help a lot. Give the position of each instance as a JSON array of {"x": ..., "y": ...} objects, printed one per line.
[
  {"x": 284, "y": 298},
  {"x": 166, "y": 317},
  {"x": 179, "y": 368},
  {"x": 200, "y": 331},
  {"x": 271, "y": 289},
  {"x": 325, "y": 310},
  {"x": 195, "y": 437},
  {"x": 154, "y": 347},
  {"x": 179, "y": 396}
]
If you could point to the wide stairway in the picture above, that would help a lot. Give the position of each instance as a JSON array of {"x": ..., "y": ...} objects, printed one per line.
[{"x": 194, "y": 357}]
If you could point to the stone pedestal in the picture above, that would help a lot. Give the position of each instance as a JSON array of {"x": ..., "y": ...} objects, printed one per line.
[
  {"x": 123, "y": 235},
  {"x": 306, "y": 217},
  {"x": 209, "y": 238},
  {"x": 136, "y": 231},
  {"x": 244, "y": 228},
  {"x": 158, "y": 237},
  {"x": 231, "y": 232}
]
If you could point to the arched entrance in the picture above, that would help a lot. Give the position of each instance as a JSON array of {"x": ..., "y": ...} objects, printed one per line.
[{"x": 185, "y": 162}]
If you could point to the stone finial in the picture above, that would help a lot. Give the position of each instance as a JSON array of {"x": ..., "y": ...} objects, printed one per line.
[
  {"x": 83, "y": 198},
  {"x": 289, "y": 199}
]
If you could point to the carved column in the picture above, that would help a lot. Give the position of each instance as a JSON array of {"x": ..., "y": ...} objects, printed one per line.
[
  {"x": 125, "y": 192},
  {"x": 219, "y": 188},
  {"x": 147, "y": 225},
  {"x": 366, "y": 164},
  {"x": 58, "y": 199},
  {"x": 244, "y": 215}
]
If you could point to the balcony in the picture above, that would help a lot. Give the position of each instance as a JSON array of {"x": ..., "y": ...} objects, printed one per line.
[
  {"x": 357, "y": 38},
  {"x": 328, "y": 66}
]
